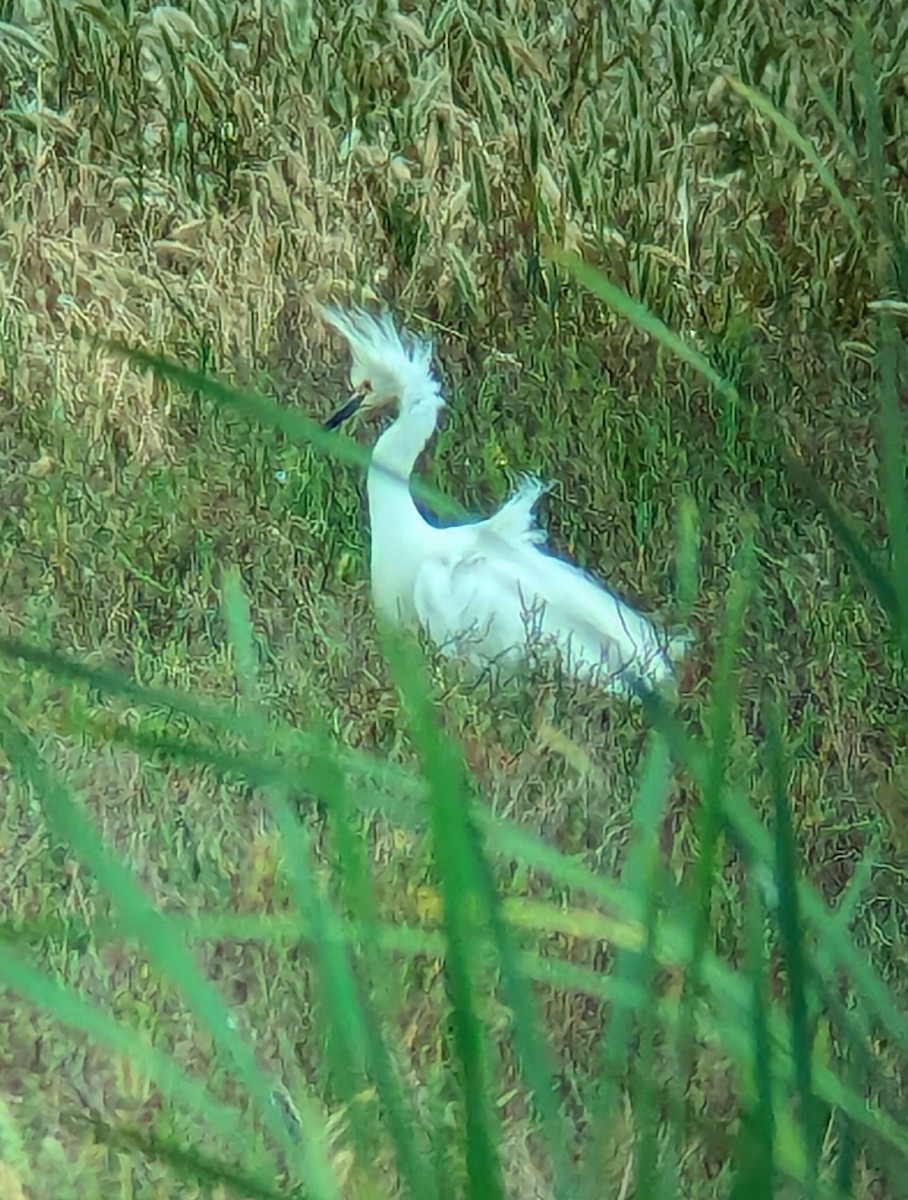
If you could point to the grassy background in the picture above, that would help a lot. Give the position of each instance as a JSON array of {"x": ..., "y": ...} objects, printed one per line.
[{"x": 185, "y": 179}]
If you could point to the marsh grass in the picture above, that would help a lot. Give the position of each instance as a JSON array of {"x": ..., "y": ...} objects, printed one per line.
[{"x": 289, "y": 909}]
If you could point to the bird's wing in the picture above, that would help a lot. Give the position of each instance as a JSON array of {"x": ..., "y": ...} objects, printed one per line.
[
  {"x": 461, "y": 599},
  {"x": 486, "y": 597},
  {"x": 598, "y": 621},
  {"x": 469, "y": 609},
  {"x": 515, "y": 521}
]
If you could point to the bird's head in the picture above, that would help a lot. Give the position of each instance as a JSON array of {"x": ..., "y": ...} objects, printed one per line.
[{"x": 387, "y": 369}]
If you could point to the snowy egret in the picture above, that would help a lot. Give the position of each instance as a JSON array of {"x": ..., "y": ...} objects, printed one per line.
[{"x": 483, "y": 591}]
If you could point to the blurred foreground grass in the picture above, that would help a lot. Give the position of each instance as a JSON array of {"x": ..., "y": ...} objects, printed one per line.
[{"x": 283, "y": 909}]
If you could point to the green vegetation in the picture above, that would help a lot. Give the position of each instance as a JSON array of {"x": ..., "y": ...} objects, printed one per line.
[{"x": 288, "y": 910}]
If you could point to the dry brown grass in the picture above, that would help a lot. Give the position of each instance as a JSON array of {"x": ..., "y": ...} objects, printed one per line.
[{"x": 181, "y": 178}]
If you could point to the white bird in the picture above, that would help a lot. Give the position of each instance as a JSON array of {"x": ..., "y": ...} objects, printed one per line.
[{"x": 488, "y": 590}]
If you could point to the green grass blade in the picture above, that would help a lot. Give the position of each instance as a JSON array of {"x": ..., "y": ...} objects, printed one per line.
[
  {"x": 363, "y": 924},
  {"x": 893, "y": 459},
  {"x": 354, "y": 1041},
  {"x": 644, "y": 1087},
  {"x": 791, "y": 936},
  {"x": 723, "y": 702},
  {"x": 341, "y": 1015},
  {"x": 141, "y": 920},
  {"x": 846, "y": 140},
  {"x": 758, "y": 843},
  {"x": 350, "y": 1016},
  {"x": 286, "y": 930},
  {"x": 875, "y": 576},
  {"x": 833, "y": 942},
  {"x": 261, "y": 410},
  {"x": 201, "y": 1168},
  {"x": 709, "y": 817},
  {"x": 892, "y": 269},
  {"x": 235, "y": 607},
  {"x": 632, "y": 967},
  {"x": 647, "y": 322},
  {"x": 833, "y": 939},
  {"x": 512, "y": 842},
  {"x": 754, "y": 1160},
  {"x": 687, "y": 557},
  {"x": 464, "y": 920},
  {"x": 265, "y": 766},
  {"x": 895, "y": 247},
  {"x": 806, "y": 147},
  {"x": 644, "y": 320},
  {"x": 532, "y": 1052},
  {"x": 68, "y": 1007}
]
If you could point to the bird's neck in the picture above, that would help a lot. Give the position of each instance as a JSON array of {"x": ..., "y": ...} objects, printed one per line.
[
  {"x": 398, "y": 448},
  {"x": 397, "y": 526}
]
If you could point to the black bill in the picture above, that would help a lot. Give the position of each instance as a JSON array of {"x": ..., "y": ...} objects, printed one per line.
[{"x": 346, "y": 410}]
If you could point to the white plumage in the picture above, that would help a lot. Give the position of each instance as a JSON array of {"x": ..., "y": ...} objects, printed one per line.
[{"x": 482, "y": 591}]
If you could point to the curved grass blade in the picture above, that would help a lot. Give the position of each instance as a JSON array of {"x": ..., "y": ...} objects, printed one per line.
[
  {"x": 393, "y": 784},
  {"x": 408, "y": 941},
  {"x": 354, "y": 1043},
  {"x": 67, "y": 1006},
  {"x": 647, "y": 322},
  {"x": 806, "y": 147},
  {"x": 846, "y": 138},
  {"x": 262, "y": 410},
  {"x": 875, "y": 576},
  {"x": 640, "y": 316},
  {"x": 142, "y": 920},
  {"x": 792, "y": 944},
  {"x": 464, "y": 919},
  {"x": 187, "y": 1165}
]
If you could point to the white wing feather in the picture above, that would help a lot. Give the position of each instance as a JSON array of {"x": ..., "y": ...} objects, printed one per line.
[
  {"x": 515, "y": 521},
  {"x": 492, "y": 593}
]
